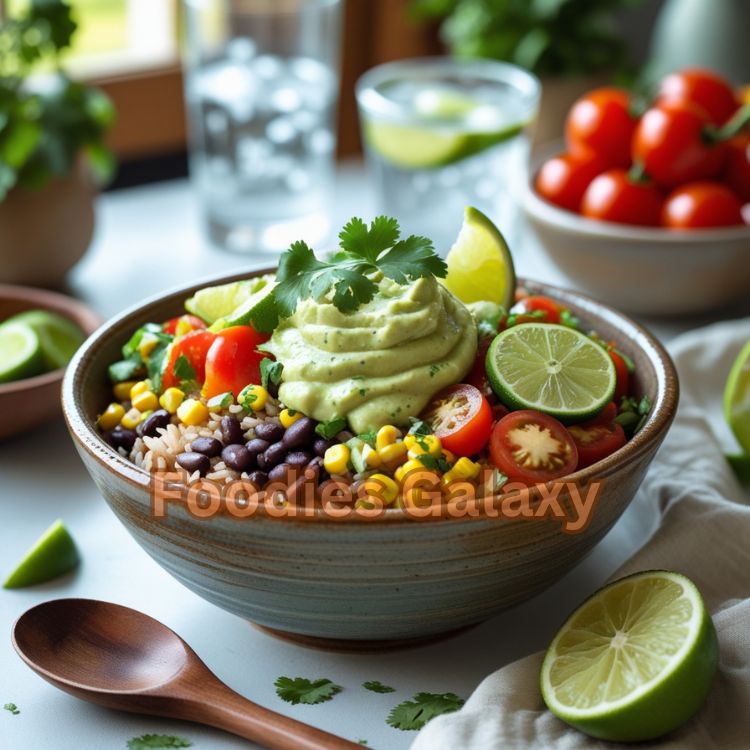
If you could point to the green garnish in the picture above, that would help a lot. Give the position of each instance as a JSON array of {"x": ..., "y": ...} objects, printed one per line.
[
  {"x": 296, "y": 690},
  {"x": 270, "y": 372},
  {"x": 185, "y": 373},
  {"x": 247, "y": 398},
  {"x": 331, "y": 428},
  {"x": 419, "y": 427},
  {"x": 414, "y": 714},
  {"x": 527, "y": 316},
  {"x": 369, "y": 437},
  {"x": 222, "y": 401},
  {"x": 126, "y": 369},
  {"x": 146, "y": 741},
  {"x": 568, "y": 319},
  {"x": 436, "y": 464},
  {"x": 13, "y": 708},
  {"x": 633, "y": 413},
  {"x": 376, "y": 686}
]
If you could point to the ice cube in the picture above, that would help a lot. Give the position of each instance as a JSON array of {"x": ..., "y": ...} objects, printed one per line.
[
  {"x": 241, "y": 50},
  {"x": 281, "y": 130}
]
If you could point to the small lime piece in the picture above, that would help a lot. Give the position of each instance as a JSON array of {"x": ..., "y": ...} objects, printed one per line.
[
  {"x": 54, "y": 554},
  {"x": 255, "y": 308},
  {"x": 20, "y": 352},
  {"x": 480, "y": 266},
  {"x": 216, "y": 302},
  {"x": 737, "y": 398},
  {"x": 58, "y": 336},
  {"x": 634, "y": 661},
  {"x": 551, "y": 368}
]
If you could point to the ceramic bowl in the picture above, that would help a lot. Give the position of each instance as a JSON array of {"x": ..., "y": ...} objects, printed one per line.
[
  {"x": 637, "y": 269},
  {"x": 359, "y": 582},
  {"x": 27, "y": 403}
]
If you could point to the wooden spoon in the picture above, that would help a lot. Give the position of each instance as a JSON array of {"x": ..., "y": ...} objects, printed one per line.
[{"x": 123, "y": 659}]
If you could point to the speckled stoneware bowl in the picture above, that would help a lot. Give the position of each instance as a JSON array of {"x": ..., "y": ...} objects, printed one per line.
[{"x": 359, "y": 582}]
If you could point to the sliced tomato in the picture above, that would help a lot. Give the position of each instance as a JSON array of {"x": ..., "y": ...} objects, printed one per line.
[
  {"x": 233, "y": 361},
  {"x": 185, "y": 324},
  {"x": 622, "y": 388},
  {"x": 542, "y": 309},
  {"x": 461, "y": 417},
  {"x": 530, "y": 446},
  {"x": 596, "y": 440},
  {"x": 193, "y": 347}
]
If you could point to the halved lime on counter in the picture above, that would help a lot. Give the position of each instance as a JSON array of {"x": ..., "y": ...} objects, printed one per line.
[
  {"x": 480, "y": 266},
  {"x": 58, "y": 337},
  {"x": 20, "y": 352},
  {"x": 551, "y": 368},
  {"x": 634, "y": 661},
  {"x": 53, "y": 554},
  {"x": 219, "y": 301},
  {"x": 737, "y": 398}
]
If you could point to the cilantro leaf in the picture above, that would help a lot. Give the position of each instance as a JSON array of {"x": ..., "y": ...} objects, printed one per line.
[
  {"x": 411, "y": 259},
  {"x": 126, "y": 369},
  {"x": 270, "y": 372},
  {"x": 368, "y": 437},
  {"x": 419, "y": 427},
  {"x": 376, "y": 686},
  {"x": 13, "y": 708},
  {"x": 301, "y": 690},
  {"x": 185, "y": 373},
  {"x": 331, "y": 428},
  {"x": 357, "y": 239},
  {"x": 436, "y": 464},
  {"x": 414, "y": 714},
  {"x": 146, "y": 741}
]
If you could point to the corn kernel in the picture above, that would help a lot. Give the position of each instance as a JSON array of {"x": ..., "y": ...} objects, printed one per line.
[
  {"x": 132, "y": 419},
  {"x": 171, "y": 399},
  {"x": 410, "y": 440},
  {"x": 411, "y": 465},
  {"x": 447, "y": 479},
  {"x": 146, "y": 414},
  {"x": 192, "y": 412},
  {"x": 111, "y": 417},
  {"x": 139, "y": 387},
  {"x": 425, "y": 444},
  {"x": 465, "y": 468},
  {"x": 372, "y": 457},
  {"x": 122, "y": 390},
  {"x": 336, "y": 459},
  {"x": 253, "y": 397},
  {"x": 393, "y": 453},
  {"x": 387, "y": 435},
  {"x": 289, "y": 416},
  {"x": 382, "y": 486},
  {"x": 183, "y": 326},
  {"x": 146, "y": 401},
  {"x": 147, "y": 344}
]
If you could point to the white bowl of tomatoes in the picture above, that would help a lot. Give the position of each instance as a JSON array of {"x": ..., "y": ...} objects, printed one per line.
[{"x": 646, "y": 206}]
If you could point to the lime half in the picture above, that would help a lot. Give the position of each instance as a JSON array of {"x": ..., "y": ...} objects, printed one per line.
[
  {"x": 634, "y": 661},
  {"x": 551, "y": 368},
  {"x": 20, "y": 352},
  {"x": 58, "y": 337},
  {"x": 480, "y": 266},
  {"x": 737, "y": 398},
  {"x": 53, "y": 554},
  {"x": 216, "y": 302}
]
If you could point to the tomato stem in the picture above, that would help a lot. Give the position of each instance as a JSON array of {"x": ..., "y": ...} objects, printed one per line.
[
  {"x": 637, "y": 174},
  {"x": 729, "y": 129}
]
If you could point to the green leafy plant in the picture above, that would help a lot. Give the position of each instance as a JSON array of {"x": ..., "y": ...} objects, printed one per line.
[
  {"x": 46, "y": 120},
  {"x": 296, "y": 690},
  {"x": 548, "y": 37},
  {"x": 414, "y": 714}
]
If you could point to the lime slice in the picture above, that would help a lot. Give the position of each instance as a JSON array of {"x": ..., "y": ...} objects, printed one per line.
[
  {"x": 551, "y": 368},
  {"x": 216, "y": 302},
  {"x": 53, "y": 555},
  {"x": 252, "y": 311},
  {"x": 58, "y": 336},
  {"x": 634, "y": 661},
  {"x": 480, "y": 266},
  {"x": 737, "y": 398},
  {"x": 20, "y": 352}
]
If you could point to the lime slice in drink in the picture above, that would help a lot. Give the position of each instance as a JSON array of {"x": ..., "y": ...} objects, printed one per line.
[
  {"x": 216, "y": 302},
  {"x": 737, "y": 398},
  {"x": 58, "y": 336},
  {"x": 634, "y": 661},
  {"x": 551, "y": 368},
  {"x": 20, "y": 352},
  {"x": 53, "y": 555},
  {"x": 480, "y": 266}
]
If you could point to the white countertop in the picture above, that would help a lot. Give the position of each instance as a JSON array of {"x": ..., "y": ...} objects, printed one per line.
[{"x": 149, "y": 239}]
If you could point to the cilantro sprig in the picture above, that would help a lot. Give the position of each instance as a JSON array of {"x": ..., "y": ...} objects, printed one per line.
[
  {"x": 296, "y": 690},
  {"x": 414, "y": 714},
  {"x": 375, "y": 686},
  {"x": 153, "y": 741},
  {"x": 12, "y": 708}
]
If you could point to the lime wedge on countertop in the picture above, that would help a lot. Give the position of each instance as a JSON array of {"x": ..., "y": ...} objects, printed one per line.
[
  {"x": 20, "y": 352},
  {"x": 53, "y": 554},
  {"x": 59, "y": 337},
  {"x": 737, "y": 398},
  {"x": 634, "y": 661},
  {"x": 551, "y": 368},
  {"x": 216, "y": 302}
]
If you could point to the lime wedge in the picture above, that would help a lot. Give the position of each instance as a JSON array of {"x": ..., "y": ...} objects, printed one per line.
[
  {"x": 551, "y": 368},
  {"x": 252, "y": 311},
  {"x": 216, "y": 302},
  {"x": 58, "y": 336},
  {"x": 20, "y": 352},
  {"x": 480, "y": 266},
  {"x": 634, "y": 661},
  {"x": 53, "y": 555},
  {"x": 737, "y": 398}
]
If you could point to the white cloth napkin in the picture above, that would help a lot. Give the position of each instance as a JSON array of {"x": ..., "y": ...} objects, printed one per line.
[{"x": 704, "y": 533}]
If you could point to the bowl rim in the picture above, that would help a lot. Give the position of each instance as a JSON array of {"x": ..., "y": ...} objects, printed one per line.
[
  {"x": 568, "y": 222},
  {"x": 659, "y": 419}
]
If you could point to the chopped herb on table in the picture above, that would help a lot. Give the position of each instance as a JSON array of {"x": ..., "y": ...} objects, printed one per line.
[
  {"x": 155, "y": 741},
  {"x": 415, "y": 713},
  {"x": 296, "y": 690},
  {"x": 12, "y": 708},
  {"x": 376, "y": 686}
]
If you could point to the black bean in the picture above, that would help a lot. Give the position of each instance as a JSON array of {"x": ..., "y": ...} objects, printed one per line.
[
  {"x": 300, "y": 433},
  {"x": 273, "y": 389},
  {"x": 256, "y": 446},
  {"x": 259, "y": 479},
  {"x": 343, "y": 436},
  {"x": 298, "y": 458},
  {"x": 282, "y": 473},
  {"x": 321, "y": 445},
  {"x": 270, "y": 431},
  {"x": 238, "y": 457},
  {"x": 317, "y": 465},
  {"x": 160, "y": 418},
  {"x": 273, "y": 455},
  {"x": 207, "y": 446},
  {"x": 231, "y": 430},
  {"x": 121, "y": 437},
  {"x": 194, "y": 462}
]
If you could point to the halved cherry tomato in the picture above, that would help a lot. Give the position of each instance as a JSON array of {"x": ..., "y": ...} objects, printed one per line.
[
  {"x": 702, "y": 87},
  {"x": 563, "y": 179},
  {"x": 532, "y": 447},
  {"x": 546, "y": 309},
  {"x": 478, "y": 374},
  {"x": 596, "y": 439},
  {"x": 186, "y": 322},
  {"x": 461, "y": 417},
  {"x": 702, "y": 204},
  {"x": 736, "y": 172},
  {"x": 194, "y": 347},
  {"x": 233, "y": 361},
  {"x": 613, "y": 196},
  {"x": 622, "y": 387},
  {"x": 606, "y": 416}
]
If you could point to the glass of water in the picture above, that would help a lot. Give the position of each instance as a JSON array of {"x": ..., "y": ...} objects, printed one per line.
[
  {"x": 442, "y": 134},
  {"x": 261, "y": 83}
]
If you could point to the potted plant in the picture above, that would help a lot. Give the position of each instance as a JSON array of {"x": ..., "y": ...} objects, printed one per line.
[
  {"x": 52, "y": 151},
  {"x": 570, "y": 44}
]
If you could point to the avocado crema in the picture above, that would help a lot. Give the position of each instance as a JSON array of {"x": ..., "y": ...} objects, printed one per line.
[{"x": 380, "y": 364}]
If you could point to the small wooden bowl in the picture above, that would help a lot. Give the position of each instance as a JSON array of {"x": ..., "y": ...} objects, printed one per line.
[{"x": 30, "y": 402}]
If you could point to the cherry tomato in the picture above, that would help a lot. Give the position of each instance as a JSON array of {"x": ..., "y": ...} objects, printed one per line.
[
  {"x": 623, "y": 374},
  {"x": 671, "y": 144},
  {"x": 193, "y": 347},
  {"x": 702, "y": 204},
  {"x": 606, "y": 416},
  {"x": 478, "y": 374},
  {"x": 702, "y": 87},
  {"x": 563, "y": 179},
  {"x": 595, "y": 440},
  {"x": 613, "y": 196},
  {"x": 600, "y": 123},
  {"x": 536, "y": 304},
  {"x": 532, "y": 447},
  {"x": 736, "y": 172},
  {"x": 461, "y": 417},
  {"x": 498, "y": 412},
  {"x": 186, "y": 322},
  {"x": 233, "y": 361}
]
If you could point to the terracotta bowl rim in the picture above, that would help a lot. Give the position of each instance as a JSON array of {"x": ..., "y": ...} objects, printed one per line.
[{"x": 81, "y": 426}]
